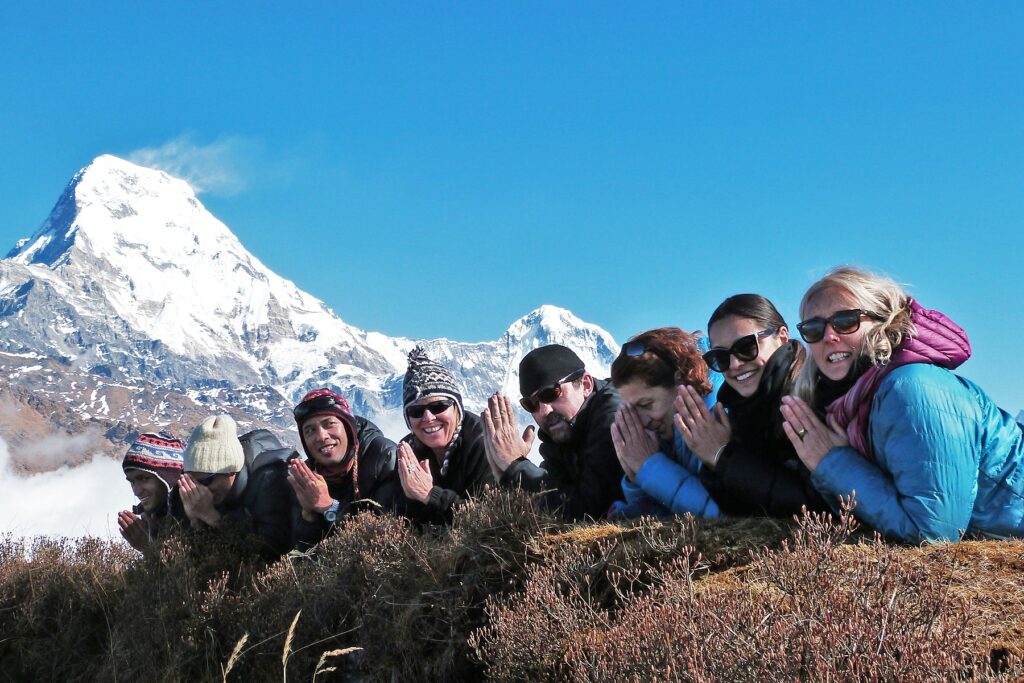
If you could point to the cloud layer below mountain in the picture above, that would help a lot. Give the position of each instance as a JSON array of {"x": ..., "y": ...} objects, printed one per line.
[{"x": 67, "y": 501}]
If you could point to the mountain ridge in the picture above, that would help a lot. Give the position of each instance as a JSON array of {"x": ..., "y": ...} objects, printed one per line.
[{"x": 131, "y": 281}]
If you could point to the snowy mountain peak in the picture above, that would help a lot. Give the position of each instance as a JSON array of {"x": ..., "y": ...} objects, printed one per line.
[
  {"x": 99, "y": 204},
  {"x": 553, "y": 325},
  {"x": 131, "y": 282}
]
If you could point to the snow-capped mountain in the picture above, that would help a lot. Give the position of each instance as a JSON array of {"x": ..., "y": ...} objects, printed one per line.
[{"x": 132, "y": 285}]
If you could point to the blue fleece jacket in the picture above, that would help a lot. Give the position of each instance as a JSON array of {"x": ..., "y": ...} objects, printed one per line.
[{"x": 947, "y": 460}]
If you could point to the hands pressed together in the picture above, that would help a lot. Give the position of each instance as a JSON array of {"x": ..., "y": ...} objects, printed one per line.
[
  {"x": 198, "y": 502},
  {"x": 133, "y": 529},
  {"x": 634, "y": 444},
  {"x": 811, "y": 438},
  {"x": 705, "y": 432},
  {"x": 503, "y": 443},
  {"x": 310, "y": 489}
]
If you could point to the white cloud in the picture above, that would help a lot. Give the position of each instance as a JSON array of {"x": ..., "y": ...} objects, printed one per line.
[
  {"x": 222, "y": 167},
  {"x": 68, "y": 501}
]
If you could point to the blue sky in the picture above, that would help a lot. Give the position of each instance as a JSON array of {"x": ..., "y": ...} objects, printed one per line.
[{"x": 442, "y": 169}]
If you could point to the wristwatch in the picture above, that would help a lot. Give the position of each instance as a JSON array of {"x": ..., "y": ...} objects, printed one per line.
[{"x": 331, "y": 513}]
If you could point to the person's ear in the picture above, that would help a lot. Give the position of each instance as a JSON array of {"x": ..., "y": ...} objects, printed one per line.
[
  {"x": 588, "y": 384},
  {"x": 783, "y": 334}
]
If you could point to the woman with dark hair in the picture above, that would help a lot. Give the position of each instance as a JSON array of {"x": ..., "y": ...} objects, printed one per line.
[
  {"x": 929, "y": 454},
  {"x": 750, "y": 467},
  {"x": 650, "y": 372}
]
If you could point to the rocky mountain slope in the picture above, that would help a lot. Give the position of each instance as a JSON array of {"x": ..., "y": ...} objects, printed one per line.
[{"x": 133, "y": 307}]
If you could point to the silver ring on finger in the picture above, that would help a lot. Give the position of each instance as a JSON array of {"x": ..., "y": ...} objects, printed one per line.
[{"x": 801, "y": 433}]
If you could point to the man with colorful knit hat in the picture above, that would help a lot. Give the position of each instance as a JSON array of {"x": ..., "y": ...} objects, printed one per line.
[
  {"x": 220, "y": 490},
  {"x": 152, "y": 467},
  {"x": 350, "y": 466},
  {"x": 579, "y": 473}
]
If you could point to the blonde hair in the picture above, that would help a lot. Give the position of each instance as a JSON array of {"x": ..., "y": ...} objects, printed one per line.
[{"x": 871, "y": 292}]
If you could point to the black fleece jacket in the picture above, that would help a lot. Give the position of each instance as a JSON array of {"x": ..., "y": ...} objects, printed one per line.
[
  {"x": 260, "y": 503},
  {"x": 468, "y": 473},
  {"x": 379, "y": 489},
  {"x": 759, "y": 473},
  {"x": 580, "y": 478}
]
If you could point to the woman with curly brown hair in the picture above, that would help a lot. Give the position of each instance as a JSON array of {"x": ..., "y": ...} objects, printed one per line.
[{"x": 651, "y": 371}]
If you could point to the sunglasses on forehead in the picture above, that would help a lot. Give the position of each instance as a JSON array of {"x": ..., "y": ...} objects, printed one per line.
[
  {"x": 316, "y": 405},
  {"x": 417, "y": 411},
  {"x": 745, "y": 349},
  {"x": 636, "y": 348},
  {"x": 548, "y": 394},
  {"x": 843, "y": 322}
]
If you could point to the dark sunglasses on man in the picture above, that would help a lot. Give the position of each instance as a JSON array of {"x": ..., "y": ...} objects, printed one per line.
[
  {"x": 550, "y": 393},
  {"x": 745, "y": 349},
  {"x": 417, "y": 411},
  {"x": 843, "y": 322}
]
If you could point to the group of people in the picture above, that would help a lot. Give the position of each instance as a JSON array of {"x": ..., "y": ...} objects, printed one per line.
[{"x": 746, "y": 420}]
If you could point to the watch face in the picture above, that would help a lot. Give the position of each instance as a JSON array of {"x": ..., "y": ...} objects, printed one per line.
[{"x": 331, "y": 516}]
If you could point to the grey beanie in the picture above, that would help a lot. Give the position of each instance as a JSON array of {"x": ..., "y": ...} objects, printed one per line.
[
  {"x": 426, "y": 377},
  {"x": 214, "y": 447}
]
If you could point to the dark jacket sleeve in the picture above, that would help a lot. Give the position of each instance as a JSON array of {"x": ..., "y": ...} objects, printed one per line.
[
  {"x": 378, "y": 480},
  {"x": 474, "y": 474},
  {"x": 748, "y": 480},
  {"x": 306, "y": 534},
  {"x": 271, "y": 508},
  {"x": 582, "y": 481}
]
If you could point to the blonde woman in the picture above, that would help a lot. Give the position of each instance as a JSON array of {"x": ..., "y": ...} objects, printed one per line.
[{"x": 928, "y": 453}]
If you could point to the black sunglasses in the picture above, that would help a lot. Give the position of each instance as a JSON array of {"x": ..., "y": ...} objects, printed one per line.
[
  {"x": 745, "y": 349},
  {"x": 843, "y": 322},
  {"x": 314, "y": 405},
  {"x": 415, "y": 412},
  {"x": 635, "y": 349},
  {"x": 549, "y": 394}
]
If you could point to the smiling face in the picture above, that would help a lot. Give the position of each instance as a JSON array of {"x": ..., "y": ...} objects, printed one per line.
[
  {"x": 326, "y": 440},
  {"x": 836, "y": 354},
  {"x": 744, "y": 376},
  {"x": 654, "y": 404},
  {"x": 147, "y": 487},
  {"x": 556, "y": 418},
  {"x": 435, "y": 431}
]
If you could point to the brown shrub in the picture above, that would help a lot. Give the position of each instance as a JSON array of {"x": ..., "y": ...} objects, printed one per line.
[{"x": 511, "y": 594}]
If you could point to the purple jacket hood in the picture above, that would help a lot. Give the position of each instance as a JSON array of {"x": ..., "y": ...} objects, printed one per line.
[{"x": 937, "y": 340}]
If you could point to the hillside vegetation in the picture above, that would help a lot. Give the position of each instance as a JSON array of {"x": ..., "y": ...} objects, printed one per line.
[{"x": 508, "y": 594}]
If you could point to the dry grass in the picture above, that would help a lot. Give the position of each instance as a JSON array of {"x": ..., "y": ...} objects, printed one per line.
[{"x": 510, "y": 594}]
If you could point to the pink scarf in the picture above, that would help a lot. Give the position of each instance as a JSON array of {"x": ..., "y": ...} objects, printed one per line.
[{"x": 938, "y": 341}]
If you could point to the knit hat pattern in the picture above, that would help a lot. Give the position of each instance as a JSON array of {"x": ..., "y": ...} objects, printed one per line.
[
  {"x": 158, "y": 453},
  {"x": 426, "y": 377},
  {"x": 214, "y": 447},
  {"x": 546, "y": 365}
]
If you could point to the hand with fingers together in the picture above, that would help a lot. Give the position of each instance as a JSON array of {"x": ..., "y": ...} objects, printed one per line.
[
  {"x": 197, "y": 500},
  {"x": 811, "y": 438},
  {"x": 133, "y": 529},
  {"x": 706, "y": 434},
  {"x": 310, "y": 490},
  {"x": 633, "y": 443},
  {"x": 414, "y": 475},
  {"x": 502, "y": 440}
]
